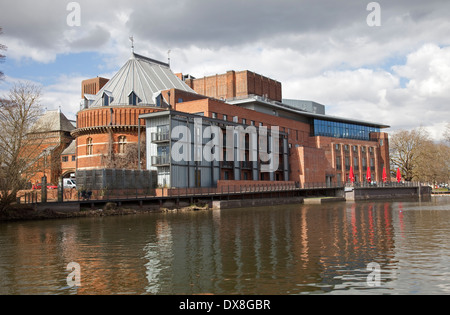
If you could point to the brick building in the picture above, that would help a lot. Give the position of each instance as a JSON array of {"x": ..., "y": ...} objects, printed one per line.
[
  {"x": 108, "y": 131},
  {"x": 51, "y": 137},
  {"x": 145, "y": 100}
]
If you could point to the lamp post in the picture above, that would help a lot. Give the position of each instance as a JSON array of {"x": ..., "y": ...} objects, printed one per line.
[{"x": 44, "y": 180}]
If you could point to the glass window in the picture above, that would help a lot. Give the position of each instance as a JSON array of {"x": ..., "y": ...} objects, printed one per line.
[
  {"x": 132, "y": 99},
  {"x": 342, "y": 130},
  {"x": 89, "y": 146},
  {"x": 105, "y": 100},
  {"x": 122, "y": 144}
]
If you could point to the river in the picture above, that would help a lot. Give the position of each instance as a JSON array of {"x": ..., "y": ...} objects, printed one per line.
[{"x": 337, "y": 248}]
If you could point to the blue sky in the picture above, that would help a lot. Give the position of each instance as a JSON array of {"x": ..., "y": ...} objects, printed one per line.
[
  {"x": 397, "y": 73},
  {"x": 80, "y": 64}
]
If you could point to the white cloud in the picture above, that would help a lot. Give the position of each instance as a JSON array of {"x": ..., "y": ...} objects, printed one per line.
[{"x": 319, "y": 50}]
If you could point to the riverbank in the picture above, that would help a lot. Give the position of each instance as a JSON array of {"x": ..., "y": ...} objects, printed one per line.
[{"x": 27, "y": 213}]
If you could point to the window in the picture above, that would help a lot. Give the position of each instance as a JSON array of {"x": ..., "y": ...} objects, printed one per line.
[
  {"x": 105, "y": 100},
  {"x": 347, "y": 163},
  {"x": 244, "y": 121},
  {"x": 132, "y": 99},
  {"x": 342, "y": 130},
  {"x": 74, "y": 158},
  {"x": 235, "y": 119},
  {"x": 338, "y": 163},
  {"x": 65, "y": 158},
  {"x": 225, "y": 117},
  {"x": 356, "y": 163},
  {"x": 252, "y": 122},
  {"x": 214, "y": 115},
  {"x": 122, "y": 144},
  {"x": 89, "y": 146}
]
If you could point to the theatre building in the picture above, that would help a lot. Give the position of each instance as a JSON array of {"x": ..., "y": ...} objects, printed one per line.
[{"x": 239, "y": 118}]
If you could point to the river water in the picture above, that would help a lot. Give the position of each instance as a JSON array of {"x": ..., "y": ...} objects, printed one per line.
[{"x": 297, "y": 249}]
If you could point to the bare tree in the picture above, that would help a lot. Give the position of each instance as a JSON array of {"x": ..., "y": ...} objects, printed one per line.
[
  {"x": 128, "y": 159},
  {"x": 19, "y": 152},
  {"x": 447, "y": 133},
  {"x": 2, "y": 57},
  {"x": 419, "y": 158},
  {"x": 406, "y": 148}
]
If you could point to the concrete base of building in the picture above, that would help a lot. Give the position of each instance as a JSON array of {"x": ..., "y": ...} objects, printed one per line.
[{"x": 379, "y": 193}]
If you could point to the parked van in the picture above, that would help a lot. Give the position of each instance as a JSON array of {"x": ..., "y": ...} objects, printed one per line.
[{"x": 69, "y": 183}]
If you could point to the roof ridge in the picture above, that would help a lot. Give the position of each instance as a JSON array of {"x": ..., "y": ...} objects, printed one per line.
[{"x": 151, "y": 60}]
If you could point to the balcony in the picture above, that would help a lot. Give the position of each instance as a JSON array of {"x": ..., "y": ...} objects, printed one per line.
[
  {"x": 246, "y": 165},
  {"x": 159, "y": 137},
  {"x": 227, "y": 164},
  {"x": 161, "y": 160}
]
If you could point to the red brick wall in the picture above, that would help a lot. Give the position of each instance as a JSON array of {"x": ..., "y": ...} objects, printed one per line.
[
  {"x": 237, "y": 84},
  {"x": 92, "y": 86}
]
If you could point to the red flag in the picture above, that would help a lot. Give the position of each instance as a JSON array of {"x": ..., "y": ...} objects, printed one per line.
[
  {"x": 399, "y": 175},
  {"x": 384, "y": 175},
  {"x": 368, "y": 176}
]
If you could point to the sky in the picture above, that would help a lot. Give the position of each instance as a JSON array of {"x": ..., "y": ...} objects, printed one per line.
[{"x": 387, "y": 63}]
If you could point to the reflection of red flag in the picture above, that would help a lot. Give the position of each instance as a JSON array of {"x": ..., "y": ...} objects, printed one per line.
[
  {"x": 399, "y": 175},
  {"x": 352, "y": 175},
  {"x": 384, "y": 175},
  {"x": 368, "y": 176}
]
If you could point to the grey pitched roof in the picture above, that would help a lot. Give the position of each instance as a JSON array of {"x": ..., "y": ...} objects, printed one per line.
[
  {"x": 71, "y": 149},
  {"x": 53, "y": 121},
  {"x": 143, "y": 76}
]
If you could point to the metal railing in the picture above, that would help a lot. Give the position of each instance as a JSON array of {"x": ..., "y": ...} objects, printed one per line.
[
  {"x": 382, "y": 184},
  {"x": 223, "y": 190},
  {"x": 160, "y": 136},
  {"x": 161, "y": 160}
]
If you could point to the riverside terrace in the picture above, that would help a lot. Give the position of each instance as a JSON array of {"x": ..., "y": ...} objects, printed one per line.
[{"x": 228, "y": 194}]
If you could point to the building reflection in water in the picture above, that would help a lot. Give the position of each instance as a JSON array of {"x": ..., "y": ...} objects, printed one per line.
[{"x": 271, "y": 250}]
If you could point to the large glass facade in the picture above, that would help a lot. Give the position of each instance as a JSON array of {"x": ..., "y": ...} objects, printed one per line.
[{"x": 342, "y": 130}]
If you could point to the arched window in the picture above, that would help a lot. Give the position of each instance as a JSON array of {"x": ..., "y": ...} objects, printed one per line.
[
  {"x": 89, "y": 146},
  {"x": 122, "y": 144}
]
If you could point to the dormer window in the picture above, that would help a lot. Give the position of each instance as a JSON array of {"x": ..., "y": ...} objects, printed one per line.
[
  {"x": 133, "y": 99},
  {"x": 107, "y": 98},
  {"x": 88, "y": 100}
]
